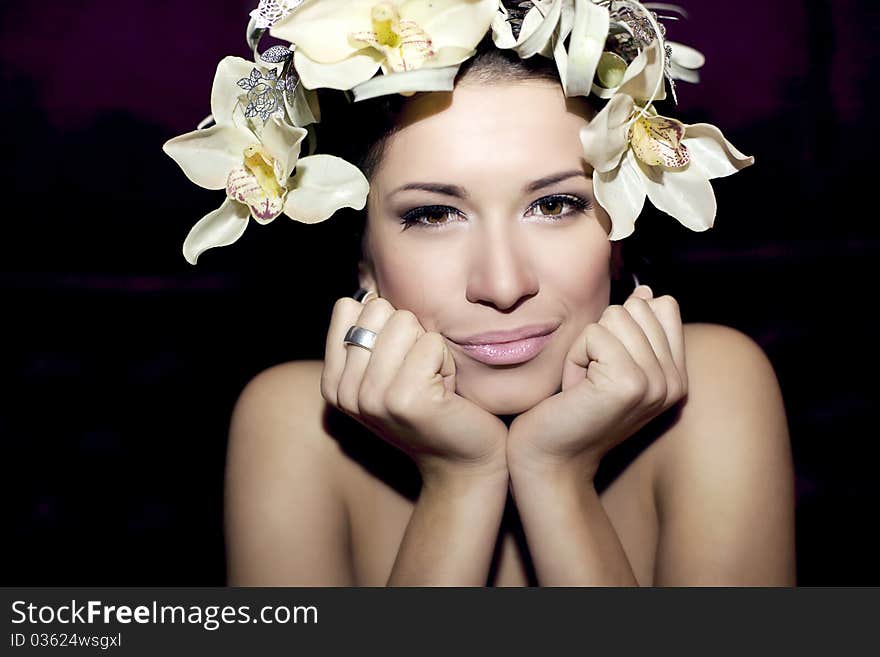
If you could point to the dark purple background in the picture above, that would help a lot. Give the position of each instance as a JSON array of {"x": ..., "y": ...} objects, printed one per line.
[{"x": 123, "y": 361}]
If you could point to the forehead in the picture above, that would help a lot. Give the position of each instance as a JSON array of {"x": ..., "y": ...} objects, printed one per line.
[{"x": 517, "y": 130}]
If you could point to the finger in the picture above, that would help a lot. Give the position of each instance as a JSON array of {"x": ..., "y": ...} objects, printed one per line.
[
  {"x": 630, "y": 333},
  {"x": 598, "y": 355},
  {"x": 373, "y": 317},
  {"x": 346, "y": 310},
  {"x": 393, "y": 342},
  {"x": 640, "y": 310},
  {"x": 422, "y": 376},
  {"x": 666, "y": 310}
]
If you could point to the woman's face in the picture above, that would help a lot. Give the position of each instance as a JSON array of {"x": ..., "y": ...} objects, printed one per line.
[{"x": 504, "y": 249}]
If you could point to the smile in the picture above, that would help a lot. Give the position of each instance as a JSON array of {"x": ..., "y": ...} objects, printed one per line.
[{"x": 507, "y": 353}]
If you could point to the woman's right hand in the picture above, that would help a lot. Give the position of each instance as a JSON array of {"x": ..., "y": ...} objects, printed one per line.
[{"x": 404, "y": 391}]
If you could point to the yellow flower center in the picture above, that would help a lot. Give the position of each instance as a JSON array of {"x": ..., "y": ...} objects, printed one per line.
[
  {"x": 386, "y": 24},
  {"x": 262, "y": 165},
  {"x": 657, "y": 141},
  {"x": 404, "y": 43}
]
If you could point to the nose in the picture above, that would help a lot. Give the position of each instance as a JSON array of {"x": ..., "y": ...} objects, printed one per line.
[{"x": 502, "y": 271}]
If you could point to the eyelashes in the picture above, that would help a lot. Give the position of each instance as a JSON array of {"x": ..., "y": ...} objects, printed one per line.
[{"x": 421, "y": 216}]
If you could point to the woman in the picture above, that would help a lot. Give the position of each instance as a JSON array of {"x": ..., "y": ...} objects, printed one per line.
[{"x": 614, "y": 446}]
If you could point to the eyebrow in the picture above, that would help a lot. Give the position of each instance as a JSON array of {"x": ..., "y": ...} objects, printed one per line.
[{"x": 460, "y": 192}]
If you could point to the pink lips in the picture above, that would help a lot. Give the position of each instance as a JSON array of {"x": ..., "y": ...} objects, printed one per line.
[{"x": 508, "y": 353}]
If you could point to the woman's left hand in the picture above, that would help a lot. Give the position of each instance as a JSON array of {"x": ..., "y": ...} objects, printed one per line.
[{"x": 620, "y": 373}]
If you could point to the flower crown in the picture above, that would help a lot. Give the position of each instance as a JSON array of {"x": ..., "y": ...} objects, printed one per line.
[{"x": 616, "y": 50}]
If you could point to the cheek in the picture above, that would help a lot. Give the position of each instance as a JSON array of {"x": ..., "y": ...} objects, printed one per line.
[
  {"x": 413, "y": 279},
  {"x": 579, "y": 273}
]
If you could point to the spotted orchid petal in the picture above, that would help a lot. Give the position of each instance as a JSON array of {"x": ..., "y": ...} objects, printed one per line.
[
  {"x": 621, "y": 191},
  {"x": 320, "y": 28},
  {"x": 260, "y": 193},
  {"x": 220, "y": 227},
  {"x": 207, "y": 156},
  {"x": 399, "y": 35},
  {"x": 657, "y": 140},
  {"x": 322, "y": 185}
]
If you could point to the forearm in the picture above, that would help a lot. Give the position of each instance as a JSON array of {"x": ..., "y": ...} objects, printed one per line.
[
  {"x": 571, "y": 540},
  {"x": 452, "y": 532}
]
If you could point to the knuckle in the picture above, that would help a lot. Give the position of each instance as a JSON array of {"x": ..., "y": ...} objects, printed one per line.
[
  {"x": 397, "y": 403},
  {"x": 633, "y": 302},
  {"x": 370, "y": 401},
  {"x": 634, "y": 386},
  {"x": 328, "y": 393},
  {"x": 348, "y": 403},
  {"x": 378, "y": 303},
  {"x": 669, "y": 301},
  {"x": 342, "y": 303},
  {"x": 407, "y": 321}
]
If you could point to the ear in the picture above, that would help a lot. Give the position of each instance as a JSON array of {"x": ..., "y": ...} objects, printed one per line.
[{"x": 367, "y": 276}]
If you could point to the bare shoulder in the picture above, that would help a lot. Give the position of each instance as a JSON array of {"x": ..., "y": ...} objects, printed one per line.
[
  {"x": 283, "y": 402},
  {"x": 285, "y": 518},
  {"x": 724, "y": 477},
  {"x": 730, "y": 379}
]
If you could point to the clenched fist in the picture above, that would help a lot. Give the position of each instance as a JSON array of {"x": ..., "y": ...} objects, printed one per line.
[
  {"x": 404, "y": 391},
  {"x": 620, "y": 373}
]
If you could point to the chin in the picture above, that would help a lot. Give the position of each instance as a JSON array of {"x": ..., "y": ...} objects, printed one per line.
[{"x": 506, "y": 397}]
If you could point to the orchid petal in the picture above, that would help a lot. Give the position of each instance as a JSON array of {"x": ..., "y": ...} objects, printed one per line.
[
  {"x": 207, "y": 156},
  {"x": 243, "y": 186},
  {"x": 283, "y": 141},
  {"x": 644, "y": 74},
  {"x": 305, "y": 108},
  {"x": 604, "y": 137},
  {"x": 685, "y": 56},
  {"x": 683, "y": 193},
  {"x": 322, "y": 185},
  {"x": 452, "y": 22},
  {"x": 540, "y": 37},
  {"x": 420, "y": 79},
  {"x": 711, "y": 153},
  {"x": 221, "y": 227},
  {"x": 656, "y": 140},
  {"x": 343, "y": 75},
  {"x": 621, "y": 192},
  {"x": 320, "y": 28},
  {"x": 680, "y": 73},
  {"x": 502, "y": 30},
  {"x": 588, "y": 34},
  {"x": 225, "y": 91}
]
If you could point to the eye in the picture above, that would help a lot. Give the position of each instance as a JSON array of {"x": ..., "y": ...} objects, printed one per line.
[
  {"x": 430, "y": 216},
  {"x": 555, "y": 203},
  {"x": 433, "y": 216}
]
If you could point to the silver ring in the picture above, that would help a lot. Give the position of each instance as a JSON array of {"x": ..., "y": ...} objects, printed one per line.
[{"x": 360, "y": 336}]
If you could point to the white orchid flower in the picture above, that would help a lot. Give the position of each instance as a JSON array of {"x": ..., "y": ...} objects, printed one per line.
[
  {"x": 637, "y": 153},
  {"x": 340, "y": 44},
  {"x": 544, "y": 30},
  {"x": 253, "y": 161}
]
